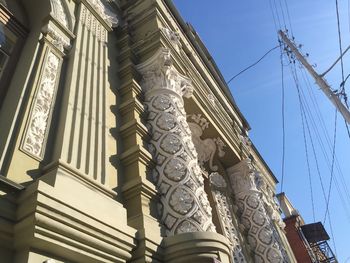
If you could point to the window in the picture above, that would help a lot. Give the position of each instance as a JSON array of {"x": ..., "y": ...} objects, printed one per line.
[
  {"x": 12, "y": 35},
  {"x": 6, "y": 46}
]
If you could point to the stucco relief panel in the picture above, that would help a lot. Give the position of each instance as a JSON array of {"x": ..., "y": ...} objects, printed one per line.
[
  {"x": 206, "y": 148},
  {"x": 37, "y": 128}
]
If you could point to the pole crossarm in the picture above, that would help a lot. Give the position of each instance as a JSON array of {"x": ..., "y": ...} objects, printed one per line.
[{"x": 321, "y": 82}]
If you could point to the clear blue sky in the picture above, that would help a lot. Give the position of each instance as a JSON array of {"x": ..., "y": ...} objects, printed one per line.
[{"x": 237, "y": 33}]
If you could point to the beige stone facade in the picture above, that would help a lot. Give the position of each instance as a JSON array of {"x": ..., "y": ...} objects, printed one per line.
[{"x": 120, "y": 142}]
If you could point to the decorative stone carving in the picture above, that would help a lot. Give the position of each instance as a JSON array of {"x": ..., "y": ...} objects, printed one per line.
[
  {"x": 206, "y": 148},
  {"x": 59, "y": 40},
  {"x": 173, "y": 37},
  {"x": 226, "y": 215},
  {"x": 93, "y": 25},
  {"x": 105, "y": 12},
  {"x": 217, "y": 180},
  {"x": 271, "y": 205},
  {"x": 60, "y": 13},
  {"x": 272, "y": 209},
  {"x": 42, "y": 106},
  {"x": 253, "y": 215},
  {"x": 245, "y": 142},
  {"x": 184, "y": 205}
]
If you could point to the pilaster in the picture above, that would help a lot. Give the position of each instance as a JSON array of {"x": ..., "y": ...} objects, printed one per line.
[
  {"x": 84, "y": 138},
  {"x": 137, "y": 191}
]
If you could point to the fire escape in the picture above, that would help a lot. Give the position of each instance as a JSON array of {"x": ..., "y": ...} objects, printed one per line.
[{"x": 315, "y": 238}]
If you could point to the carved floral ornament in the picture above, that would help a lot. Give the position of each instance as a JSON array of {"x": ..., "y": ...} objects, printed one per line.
[
  {"x": 36, "y": 132},
  {"x": 206, "y": 148}
]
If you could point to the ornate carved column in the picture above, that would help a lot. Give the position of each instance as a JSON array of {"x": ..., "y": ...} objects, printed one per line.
[
  {"x": 253, "y": 215},
  {"x": 184, "y": 204},
  {"x": 272, "y": 210}
]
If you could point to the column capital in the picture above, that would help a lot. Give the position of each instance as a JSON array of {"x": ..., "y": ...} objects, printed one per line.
[
  {"x": 242, "y": 177},
  {"x": 159, "y": 74}
]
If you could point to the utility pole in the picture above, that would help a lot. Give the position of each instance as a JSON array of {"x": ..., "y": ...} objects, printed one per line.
[{"x": 318, "y": 78}]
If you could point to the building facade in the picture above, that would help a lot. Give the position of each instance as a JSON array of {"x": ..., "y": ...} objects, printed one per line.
[{"x": 120, "y": 142}]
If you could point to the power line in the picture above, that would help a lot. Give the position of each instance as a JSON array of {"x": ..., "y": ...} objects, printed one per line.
[
  {"x": 339, "y": 40},
  {"x": 332, "y": 168},
  {"x": 277, "y": 15},
  {"x": 284, "y": 20},
  {"x": 332, "y": 234},
  {"x": 252, "y": 65},
  {"x": 273, "y": 16},
  {"x": 297, "y": 84},
  {"x": 288, "y": 15},
  {"x": 325, "y": 132}
]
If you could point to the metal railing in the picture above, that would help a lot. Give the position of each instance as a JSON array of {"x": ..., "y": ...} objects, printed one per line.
[{"x": 323, "y": 252}]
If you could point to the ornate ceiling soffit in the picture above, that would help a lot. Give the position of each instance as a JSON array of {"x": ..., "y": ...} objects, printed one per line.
[
  {"x": 158, "y": 72},
  {"x": 105, "y": 12},
  {"x": 206, "y": 148},
  {"x": 173, "y": 37}
]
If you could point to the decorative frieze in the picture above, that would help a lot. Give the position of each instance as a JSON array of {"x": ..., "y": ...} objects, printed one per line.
[
  {"x": 253, "y": 215},
  {"x": 226, "y": 216},
  {"x": 206, "y": 148},
  {"x": 93, "y": 25},
  {"x": 184, "y": 204},
  {"x": 37, "y": 129}
]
